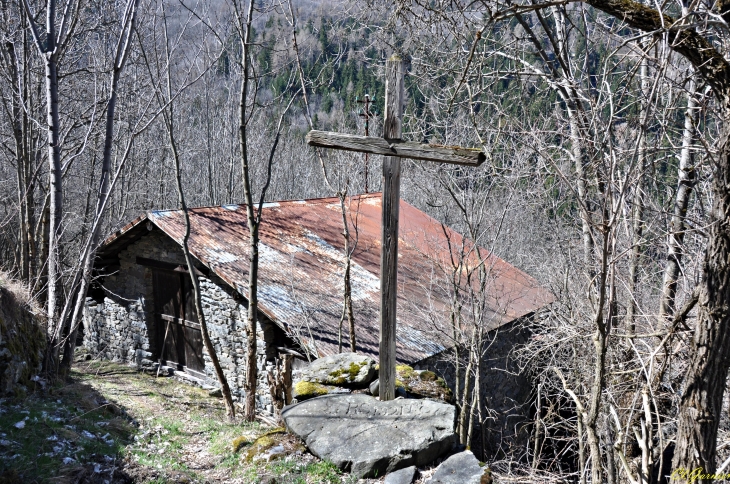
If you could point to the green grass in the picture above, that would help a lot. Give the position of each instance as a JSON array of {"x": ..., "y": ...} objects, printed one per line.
[
  {"x": 321, "y": 472},
  {"x": 111, "y": 413}
]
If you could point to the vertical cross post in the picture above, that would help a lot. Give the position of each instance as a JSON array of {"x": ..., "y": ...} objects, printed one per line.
[
  {"x": 393, "y": 149},
  {"x": 390, "y": 205}
]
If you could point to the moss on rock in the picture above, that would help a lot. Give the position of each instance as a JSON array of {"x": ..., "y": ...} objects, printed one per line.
[
  {"x": 355, "y": 369},
  {"x": 306, "y": 389},
  {"x": 342, "y": 376},
  {"x": 404, "y": 371},
  {"x": 428, "y": 375},
  {"x": 239, "y": 443},
  {"x": 259, "y": 446}
]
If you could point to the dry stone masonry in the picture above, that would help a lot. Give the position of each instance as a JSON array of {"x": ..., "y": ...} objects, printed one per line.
[{"x": 121, "y": 325}]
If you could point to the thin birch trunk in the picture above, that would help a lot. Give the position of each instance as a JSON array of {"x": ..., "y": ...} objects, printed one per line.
[{"x": 677, "y": 228}]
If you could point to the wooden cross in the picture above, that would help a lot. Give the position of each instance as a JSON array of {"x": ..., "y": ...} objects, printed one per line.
[{"x": 394, "y": 149}]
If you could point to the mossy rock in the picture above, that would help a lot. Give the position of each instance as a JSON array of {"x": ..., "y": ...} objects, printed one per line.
[
  {"x": 486, "y": 476},
  {"x": 428, "y": 375},
  {"x": 276, "y": 430},
  {"x": 304, "y": 390},
  {"x": 239, "y": 443},
  {"x": 259, "y": 446},
  {"x": 264, "y": 443},
  {"x": 349, "y": 370},
  {"x": 422, "y": 384},
  {"x": 404, "y": 371}
]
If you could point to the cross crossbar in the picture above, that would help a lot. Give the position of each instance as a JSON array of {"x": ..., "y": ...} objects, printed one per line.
[{"x": 396, "y": 147}]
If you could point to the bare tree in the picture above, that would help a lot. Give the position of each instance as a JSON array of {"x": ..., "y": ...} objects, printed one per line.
[
  {"x": 254, "y": 212},
  {"x": 168, "y": 105}
]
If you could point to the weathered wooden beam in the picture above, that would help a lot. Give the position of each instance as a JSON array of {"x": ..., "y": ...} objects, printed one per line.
[
  {"x": 396, "y": 147},
  {"x": 389, "y": 248},
  {"x": 168, "y": 266}
]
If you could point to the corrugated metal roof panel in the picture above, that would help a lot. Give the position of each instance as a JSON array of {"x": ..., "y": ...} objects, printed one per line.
[{"x": 302, "y": 266}]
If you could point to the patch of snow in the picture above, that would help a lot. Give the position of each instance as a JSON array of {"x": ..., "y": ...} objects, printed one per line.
[{"x": 20, "y": 425}]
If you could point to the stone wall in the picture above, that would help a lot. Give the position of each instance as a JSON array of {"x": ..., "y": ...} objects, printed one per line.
[
  {"x": 121, "y": 327},
  {"x": 505, "y": 392},
  {"x": 22, "y": 341}
]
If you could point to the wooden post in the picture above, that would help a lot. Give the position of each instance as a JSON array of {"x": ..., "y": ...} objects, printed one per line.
[{"x": 390, "y": 203}]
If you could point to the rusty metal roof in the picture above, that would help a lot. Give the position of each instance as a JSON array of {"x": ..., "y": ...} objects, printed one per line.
[{"x": 302, "y": 265}]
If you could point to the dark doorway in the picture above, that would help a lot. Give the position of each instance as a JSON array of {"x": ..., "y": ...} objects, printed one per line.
[{"x": 179, "y": 340}]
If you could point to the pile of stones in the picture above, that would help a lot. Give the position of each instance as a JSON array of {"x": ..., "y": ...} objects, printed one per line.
[
  {"x": 340, "y": 420},
  {"x": 353, "y": 373}
]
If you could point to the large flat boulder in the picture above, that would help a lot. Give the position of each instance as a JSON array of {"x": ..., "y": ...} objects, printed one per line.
[
  {"x": 367, "y": 437},
  {"x": 461, "y": 468},
  {"x": 343, "y": 369}
]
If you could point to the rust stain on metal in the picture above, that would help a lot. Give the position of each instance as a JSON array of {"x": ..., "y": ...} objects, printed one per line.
[{"x": 302, "y": 262}]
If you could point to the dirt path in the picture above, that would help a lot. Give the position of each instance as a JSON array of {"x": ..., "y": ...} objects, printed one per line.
[{"x": 112, "y": 424}]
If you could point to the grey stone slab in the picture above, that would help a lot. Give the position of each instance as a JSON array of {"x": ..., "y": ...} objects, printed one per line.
[
  {"x": 461, "y": 468},
  {"x": 368, "y": 437},
  {"x": 403, "y": 476}
]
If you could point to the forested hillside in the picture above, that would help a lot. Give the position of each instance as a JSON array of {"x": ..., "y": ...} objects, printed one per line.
[{"x": 606, "y": 179}]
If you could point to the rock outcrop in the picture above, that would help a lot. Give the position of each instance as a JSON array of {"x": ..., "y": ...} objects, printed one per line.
[
  {"x": 461, "y": 468},
  {"x": 345, "y": 370},
  {"x": 367, "y": 437}
]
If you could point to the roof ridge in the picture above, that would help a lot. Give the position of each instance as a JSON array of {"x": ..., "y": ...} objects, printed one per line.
[{"x": 280, "y": 202}]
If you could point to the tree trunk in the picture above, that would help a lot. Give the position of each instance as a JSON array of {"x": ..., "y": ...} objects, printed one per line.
[
  {"x": 55, "y": 208},
  {"x": 704, "y": 385},
  {"x": 169, "y": 120},
  {"x": 347, "y": 289},
  {"x": 253, "y": 220},
  {"x": 251, "y": 330},
  {"x": 637, "y": 208}
]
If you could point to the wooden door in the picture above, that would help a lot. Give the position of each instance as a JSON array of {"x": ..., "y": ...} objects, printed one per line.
[
  {"x": 193, "y": 337},
  {"x": 179, "y": 340}
]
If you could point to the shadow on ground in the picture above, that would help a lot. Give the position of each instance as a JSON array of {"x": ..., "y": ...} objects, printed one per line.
[{"x": 69, "y": 433}]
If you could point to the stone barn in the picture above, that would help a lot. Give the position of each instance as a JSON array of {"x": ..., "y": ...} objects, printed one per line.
[{"x": 141, "y": 309}]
